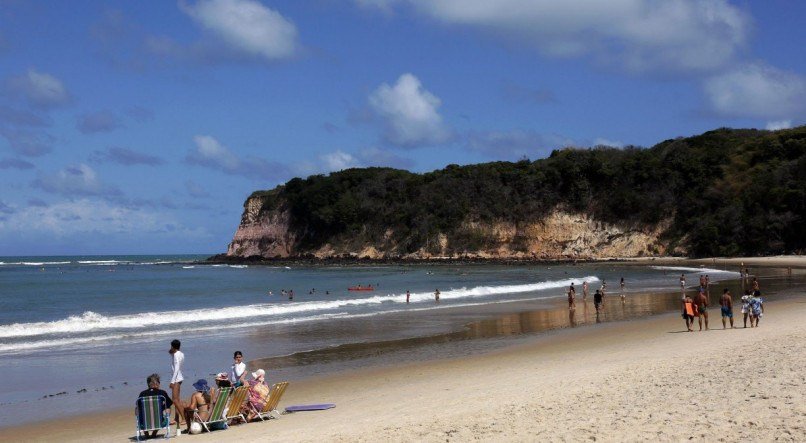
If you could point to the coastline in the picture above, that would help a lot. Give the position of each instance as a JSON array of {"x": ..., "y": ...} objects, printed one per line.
[
  {"x": 794, "y": 261},
  {"x": 616, "y": 381}
]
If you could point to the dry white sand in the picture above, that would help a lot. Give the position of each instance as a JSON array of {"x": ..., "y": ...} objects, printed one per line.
[{"x": 636, "y": 380}]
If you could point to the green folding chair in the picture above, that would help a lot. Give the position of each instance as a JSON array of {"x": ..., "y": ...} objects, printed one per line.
[{"x": 152, "y": 415}]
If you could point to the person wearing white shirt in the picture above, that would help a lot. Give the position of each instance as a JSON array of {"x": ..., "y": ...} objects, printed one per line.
[
  {"x": 237, "y": 374},
  {"x": 176, "y": 379}
]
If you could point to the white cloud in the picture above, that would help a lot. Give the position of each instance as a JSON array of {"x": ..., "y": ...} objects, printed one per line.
[
  {"x": 210, "y": 152},
  {"x": 339, "y": 160},
  {"x": 85, "y": 216},
  {"x": 75, "y": 180},
  {"x": 780, "y": 124},
  {"x": 40, "y": 89},
  {"x": 681, "y": 35},
  {"x": 246, "y": 26},
  {"x": 757, "y": 91},
  {"x": 409, "y": 112}
]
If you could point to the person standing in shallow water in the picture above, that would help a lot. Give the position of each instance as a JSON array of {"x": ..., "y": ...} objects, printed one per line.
[
  {"x": 585, "y": 290},
  {"x": 571, "y": 297},
  {"x": 597, "y": 301},
  {"x": 408, "y": 296},
  {"x": 436, "y": 296}
]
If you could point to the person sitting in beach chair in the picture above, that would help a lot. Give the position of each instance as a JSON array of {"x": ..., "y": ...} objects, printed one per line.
[
  {"x": 153, "y": 409},
  {"x": 199, "y": 403},
  {"x": 215, "y": 416},
  {"x": 258, "y": 394}
]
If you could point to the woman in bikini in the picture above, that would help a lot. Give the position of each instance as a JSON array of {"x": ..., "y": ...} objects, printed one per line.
[{"x": 199, "y": 402}]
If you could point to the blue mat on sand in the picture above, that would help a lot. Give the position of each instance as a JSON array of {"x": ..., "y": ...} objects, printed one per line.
[{"x": 318, "y": 407}]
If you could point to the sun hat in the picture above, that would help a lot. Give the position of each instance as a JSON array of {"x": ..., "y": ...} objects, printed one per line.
[
  {"x": 222, "y": 376},
  {"x": 201, "y": 385},
  {"x": 260, "y": 373}
]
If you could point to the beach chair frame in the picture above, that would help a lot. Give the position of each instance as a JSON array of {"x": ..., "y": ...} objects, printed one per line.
[
  {"x": 156, "y": 417},
  {"x": 270, "y": 407},
  {"x": 235, "y": 409},
  {"x": 217, "y": 411}
]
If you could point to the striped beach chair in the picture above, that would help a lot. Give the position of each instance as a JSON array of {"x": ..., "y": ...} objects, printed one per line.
[
  {"x": 270, "y": 408},
  {"x": 236, "y": 404},
  {"x": 152, "y": 415},
  {"x": 218, "y": 413}
]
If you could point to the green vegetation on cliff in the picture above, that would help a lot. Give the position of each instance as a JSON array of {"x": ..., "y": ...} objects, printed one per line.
[{"x": 726, "y": 192}]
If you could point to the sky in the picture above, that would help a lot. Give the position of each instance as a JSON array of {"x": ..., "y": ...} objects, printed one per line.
[{"x": 131, "y": 127}]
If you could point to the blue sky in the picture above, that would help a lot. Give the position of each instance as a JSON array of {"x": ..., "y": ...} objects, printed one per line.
[{"x": 141, "y": 127}]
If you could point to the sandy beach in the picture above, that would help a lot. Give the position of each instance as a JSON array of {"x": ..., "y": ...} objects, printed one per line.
[{"x": 634, "y": 380}]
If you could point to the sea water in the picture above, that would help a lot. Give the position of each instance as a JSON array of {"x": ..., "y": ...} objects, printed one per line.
[{"x": 93, "y": 328}]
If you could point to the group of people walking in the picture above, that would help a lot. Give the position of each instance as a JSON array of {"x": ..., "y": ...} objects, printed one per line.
[{"x": 752, "y": 305}]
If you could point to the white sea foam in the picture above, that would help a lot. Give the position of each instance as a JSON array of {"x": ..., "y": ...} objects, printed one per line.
[
  {"x": 35, "y": 263},
  {"x": 102, "y": 262},
  {"x": 188, "y": 267},
  {"x": 238, "y": 266},
  {"x": 92, "y": 322},
  {"x": 693, "y": 270},
  {"x": 63, "y": 342}
]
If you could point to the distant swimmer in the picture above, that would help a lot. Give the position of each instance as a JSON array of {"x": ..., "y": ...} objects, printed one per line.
[
  {"x": 291, "y": 294},
  {"x": 408, "y": 296},
  {"x": 584, "y": 289},
  {"x": 270, "y": 293},
  {"x": 436, "y": 295}
]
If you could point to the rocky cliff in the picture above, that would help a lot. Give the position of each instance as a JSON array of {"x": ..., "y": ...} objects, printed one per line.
[
  {"x": 724, "y": 192},
  {"x": 560, "y": 235}
]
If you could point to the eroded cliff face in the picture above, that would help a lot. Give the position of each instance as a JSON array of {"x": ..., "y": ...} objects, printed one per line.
[
  {"x": 559, "y": 235},
  {"x": 262, "y": 233}
]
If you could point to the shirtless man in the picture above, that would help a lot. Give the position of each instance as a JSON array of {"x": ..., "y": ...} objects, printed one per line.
[
  {"x": 702, "y": 307},
  {"x": 585, "y": 290},
  {"x": 726, "y": 303}
]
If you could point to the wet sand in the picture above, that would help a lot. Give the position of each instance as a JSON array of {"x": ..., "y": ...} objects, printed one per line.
[{"x": 631, "y": 380}]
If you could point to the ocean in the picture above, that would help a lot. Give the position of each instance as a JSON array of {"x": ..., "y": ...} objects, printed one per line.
[{"x": 90, "y": 329}]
